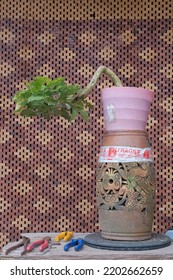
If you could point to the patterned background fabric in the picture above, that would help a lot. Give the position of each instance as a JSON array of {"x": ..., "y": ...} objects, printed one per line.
[{"x": 48, "y": 168}]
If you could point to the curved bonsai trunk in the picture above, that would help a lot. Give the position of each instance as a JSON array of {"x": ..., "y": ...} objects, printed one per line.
[{"x": 101, "y": 70}]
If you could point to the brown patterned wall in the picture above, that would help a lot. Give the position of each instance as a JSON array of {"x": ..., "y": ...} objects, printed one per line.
[{"x": 48, "y": 168}]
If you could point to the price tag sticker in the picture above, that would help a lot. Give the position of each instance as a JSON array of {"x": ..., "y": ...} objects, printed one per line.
[{"x": 124, "y": 154}]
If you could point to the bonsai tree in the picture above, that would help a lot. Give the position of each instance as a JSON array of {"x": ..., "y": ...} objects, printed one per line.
[{"x": 46, "y": 97}]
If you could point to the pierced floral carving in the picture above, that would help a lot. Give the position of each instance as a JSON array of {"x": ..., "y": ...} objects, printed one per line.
[{"x": 126, "y": 186}]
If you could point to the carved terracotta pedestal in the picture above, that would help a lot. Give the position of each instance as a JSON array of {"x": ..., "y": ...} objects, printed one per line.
[{"x": 126, "y": 187}]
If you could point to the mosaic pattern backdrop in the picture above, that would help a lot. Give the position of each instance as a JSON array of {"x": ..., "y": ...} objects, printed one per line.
[{"x": 48, "y": 168}]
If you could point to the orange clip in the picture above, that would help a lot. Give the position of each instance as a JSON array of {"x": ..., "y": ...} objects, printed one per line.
[
  {"x": 69, "y": 235},
  {"x": 60, "y": 236},
  {"x": 66, "y": 235}
]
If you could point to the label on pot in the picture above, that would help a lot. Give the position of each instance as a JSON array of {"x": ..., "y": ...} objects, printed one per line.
[{"x": 124, "y": 154}]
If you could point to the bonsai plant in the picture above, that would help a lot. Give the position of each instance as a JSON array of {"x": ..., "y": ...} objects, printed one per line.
[
  {"x": 46, "y": 97},
  {"x": 125, "y": 180}
]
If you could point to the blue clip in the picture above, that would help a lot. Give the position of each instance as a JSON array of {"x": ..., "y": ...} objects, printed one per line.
[
  {"x": 76, "y": 243},
  {"x": 72, "y": 243},
  {"x": 80, "y": 244}
]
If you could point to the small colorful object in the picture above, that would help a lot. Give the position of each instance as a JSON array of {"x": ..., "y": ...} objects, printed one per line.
[
  {"x": 76, "y": 243},
  {"x": 66, "y": 235},
  {"x": 43, "y": 243}
]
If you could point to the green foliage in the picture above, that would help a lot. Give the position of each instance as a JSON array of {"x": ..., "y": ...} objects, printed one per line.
[{"x": 46, "y": 97}]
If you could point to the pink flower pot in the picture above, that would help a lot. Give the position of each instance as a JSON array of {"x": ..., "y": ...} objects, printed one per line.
[{"x": 126, "y": 108}]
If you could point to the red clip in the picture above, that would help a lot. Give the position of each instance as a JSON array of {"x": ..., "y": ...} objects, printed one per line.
[
  {"x": 44, "y": 246},
  {"x": 43, "y": 243}
]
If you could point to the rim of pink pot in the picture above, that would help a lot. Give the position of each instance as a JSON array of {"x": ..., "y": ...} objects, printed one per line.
[{"x": 133, "y": 92}]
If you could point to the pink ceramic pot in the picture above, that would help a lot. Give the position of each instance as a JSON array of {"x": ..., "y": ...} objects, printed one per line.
[{"x": 126, "y": 108}]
